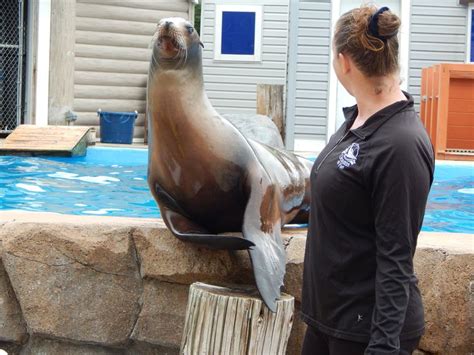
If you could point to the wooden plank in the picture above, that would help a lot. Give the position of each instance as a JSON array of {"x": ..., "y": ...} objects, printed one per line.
[
  {"x": 92, "y": 105},
  {"x": 461, "y": 106},
  {"x": 463, "y": 133},
  {"x": 233, "y": 103},
  {"x": 311, "y": 121},
  {"x": 439, "y": 29},
  {"x": 456, "y": 156},
  {"x": 112, "y": 52},
  {"x": 238, "y": 79},
  {"x": 61, "y": 65},
  {"x": 312, "y": 94},
  {"x": 442, "y": 119},
  {"x": 113, "y": 39},
  {"x": 462, "y": 89},
  {"x": 208, "y": 53},
  {"x": 310, "y": 112},
  {"x": 125, "y": 13},
  {"x": 424, "y": 96},
  {"x": 109, "y": 92},
  {"x": 440, "y": 56},
  {"x": 252, "y": 72},
  {"x": 221, "y": 94},
  {"x": 111, "y": 66},
  {"x": 311, "y": 103},
  {"x": 274, "y": 65},
  {"x": 435, "y": 101},
  {"x": 460, "y": 144},
  {"x": 429, "y": 103},
  {"x": 313, "y": 77},
  {"x": 465, "y": 119},
  {"x": 108, "y": 79},
  {"x": 115, "y": 26},
  {"x": 310, "y": 130},
  {"x": 163, "y": 5},
  {"x": 50, "y": 140}
]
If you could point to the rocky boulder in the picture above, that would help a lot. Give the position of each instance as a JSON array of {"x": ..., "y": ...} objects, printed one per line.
[
  {"x": 445, "y": 274},
  {"x": 117, "y": 285},
  {"x": 12, "y": 326},
  {"x": 74, "y": 282}
]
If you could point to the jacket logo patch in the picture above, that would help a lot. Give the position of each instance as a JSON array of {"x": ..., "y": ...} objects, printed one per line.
[{"x": 349, "y": 156}]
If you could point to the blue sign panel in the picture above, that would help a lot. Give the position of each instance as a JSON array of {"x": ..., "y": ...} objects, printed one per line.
[
  {"x": 472, "y": 36},
  {"x": 238, "y": 33}
]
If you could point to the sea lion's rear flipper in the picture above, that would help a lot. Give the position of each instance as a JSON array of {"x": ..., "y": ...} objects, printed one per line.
[
  {"x": 262, "y": 226},
  {"x": 186, "y": 230}
]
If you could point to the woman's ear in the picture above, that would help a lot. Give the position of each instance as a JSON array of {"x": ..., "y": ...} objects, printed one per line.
[{"x": 345, "y": 63}]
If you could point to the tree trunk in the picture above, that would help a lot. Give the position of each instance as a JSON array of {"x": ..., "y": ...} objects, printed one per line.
[{"x": 221, "y": 320}]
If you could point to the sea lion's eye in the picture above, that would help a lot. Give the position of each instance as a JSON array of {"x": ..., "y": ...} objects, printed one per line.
[{"x": 190, "y": 29}]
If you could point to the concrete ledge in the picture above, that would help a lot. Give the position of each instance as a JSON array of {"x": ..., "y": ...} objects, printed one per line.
[{"x": 83, "y": 285}]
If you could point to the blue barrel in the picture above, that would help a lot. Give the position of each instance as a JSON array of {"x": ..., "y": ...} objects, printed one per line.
[{"x": 117, "y": 127}]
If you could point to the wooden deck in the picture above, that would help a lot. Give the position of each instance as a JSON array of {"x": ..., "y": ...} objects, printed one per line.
[{"x": 49, "y": 140}]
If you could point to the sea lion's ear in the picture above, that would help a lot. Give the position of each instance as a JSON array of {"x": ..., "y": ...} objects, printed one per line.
[{"x": 201, "y": 44}]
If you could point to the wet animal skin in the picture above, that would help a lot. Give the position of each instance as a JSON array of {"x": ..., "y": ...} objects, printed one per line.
[{"x": 206, "y": 176}]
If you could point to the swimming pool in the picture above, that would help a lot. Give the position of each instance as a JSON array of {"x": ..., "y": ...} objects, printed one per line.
[{"x": 112, "y": 182}]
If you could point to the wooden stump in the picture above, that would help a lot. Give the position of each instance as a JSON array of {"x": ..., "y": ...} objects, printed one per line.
[
  {"x": 270, "y": 103},
  {"x": 221, "y": 320}
]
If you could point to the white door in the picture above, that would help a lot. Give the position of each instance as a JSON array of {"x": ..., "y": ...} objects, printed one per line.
[{"x": 344, "y": 99}]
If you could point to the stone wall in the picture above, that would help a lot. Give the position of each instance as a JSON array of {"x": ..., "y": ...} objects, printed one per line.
[{"x": 88, "y": 285}]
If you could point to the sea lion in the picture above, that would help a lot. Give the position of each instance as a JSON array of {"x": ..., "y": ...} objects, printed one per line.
[{"x": 206, "y": 176}]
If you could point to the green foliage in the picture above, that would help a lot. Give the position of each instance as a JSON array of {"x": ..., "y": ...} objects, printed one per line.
[{"x": 197, "y": 18}]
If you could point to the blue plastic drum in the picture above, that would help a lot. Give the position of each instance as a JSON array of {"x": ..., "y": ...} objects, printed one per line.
[{"x": 117, "y": 127}]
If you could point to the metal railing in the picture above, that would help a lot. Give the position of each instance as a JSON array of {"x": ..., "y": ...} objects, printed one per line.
[{"x": 11, "y": 63}]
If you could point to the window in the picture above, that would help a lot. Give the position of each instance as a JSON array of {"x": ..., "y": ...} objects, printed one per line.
[{"x": 238, "y": 33}]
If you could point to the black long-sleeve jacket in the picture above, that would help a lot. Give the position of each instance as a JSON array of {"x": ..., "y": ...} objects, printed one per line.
[{"x": 369, "y": 191}]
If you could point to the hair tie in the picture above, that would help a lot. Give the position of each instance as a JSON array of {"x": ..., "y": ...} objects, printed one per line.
[{"x": 374, "y": 25}]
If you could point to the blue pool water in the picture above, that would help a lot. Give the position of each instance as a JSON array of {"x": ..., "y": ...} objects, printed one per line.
[{"x": 112, "y": 181}]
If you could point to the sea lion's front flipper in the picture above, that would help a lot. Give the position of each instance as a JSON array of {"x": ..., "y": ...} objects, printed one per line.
[
  {"x": 262, "y": 226},
  {"x": 186, "y": 230}
]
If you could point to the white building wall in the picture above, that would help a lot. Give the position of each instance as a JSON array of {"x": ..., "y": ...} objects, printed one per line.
[
  {"x": 301, "y": 43},
  {"x": 232, "y": 85}
]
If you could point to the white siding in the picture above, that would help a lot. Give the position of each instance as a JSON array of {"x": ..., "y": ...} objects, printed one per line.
[
  {"x": 312, "y": 69},
  {"x": 437, "y": 35},
  {"x": 232, "y": 86},
  {"x": 112, "y": 54}
]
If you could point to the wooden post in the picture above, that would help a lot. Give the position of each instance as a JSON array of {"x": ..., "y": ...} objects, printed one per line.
[
  {"x": 221, "y": 320},
  {"x": 270, "y": 103},
  {"x": 443, "y": 110}
]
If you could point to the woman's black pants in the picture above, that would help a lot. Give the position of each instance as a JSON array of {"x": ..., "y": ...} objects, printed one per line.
[{"x": 317, "y": 343}]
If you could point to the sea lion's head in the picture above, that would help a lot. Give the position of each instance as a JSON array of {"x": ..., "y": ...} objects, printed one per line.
[{"x": 176, "y": 45}]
